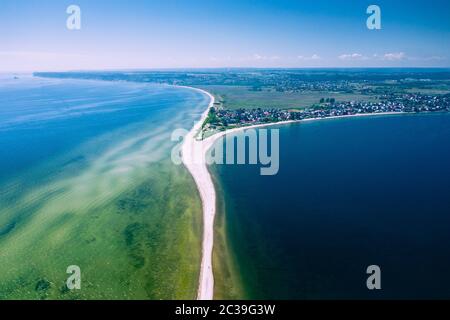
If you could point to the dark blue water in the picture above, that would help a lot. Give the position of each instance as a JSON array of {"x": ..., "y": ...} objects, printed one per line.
[{"x": 350, "y": 193}]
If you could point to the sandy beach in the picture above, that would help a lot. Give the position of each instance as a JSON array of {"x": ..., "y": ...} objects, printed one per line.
[
  {"x": 194, "y": 153},
  {"x": 193, "y": 156}
]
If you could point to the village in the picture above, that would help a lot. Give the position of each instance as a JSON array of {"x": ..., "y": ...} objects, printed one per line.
[{"x": 221, "y": 119}]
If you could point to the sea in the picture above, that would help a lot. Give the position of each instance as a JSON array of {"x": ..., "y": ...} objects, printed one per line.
[
  {"x": 350, "y": 193},
  {"x": 86, "y": 179}
]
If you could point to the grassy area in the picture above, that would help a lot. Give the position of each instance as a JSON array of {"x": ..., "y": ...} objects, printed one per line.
[
  {"x": 430, "y": 91},
  {"x": 234, "y": 97}
]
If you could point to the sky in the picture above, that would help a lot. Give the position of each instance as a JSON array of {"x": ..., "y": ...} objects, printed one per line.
[{"x": 149, "y": 34}]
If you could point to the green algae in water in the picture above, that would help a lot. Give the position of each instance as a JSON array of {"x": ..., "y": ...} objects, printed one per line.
[{"x": 111, "y": 202}]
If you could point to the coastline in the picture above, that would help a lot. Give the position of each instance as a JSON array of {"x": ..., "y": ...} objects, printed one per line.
[
  {"x": 194, "y": 158},
  {"x": 192, "y": 152},
  {"x": 216, "y": 136}
]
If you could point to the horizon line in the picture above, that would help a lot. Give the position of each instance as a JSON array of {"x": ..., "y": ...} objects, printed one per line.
[
  {"x": 179, "y": 69},
  {"x": 229, "y": 68}
]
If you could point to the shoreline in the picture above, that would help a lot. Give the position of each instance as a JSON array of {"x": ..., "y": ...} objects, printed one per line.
[
  {"x": 192, "y": 151},
  {"x": 259, "y": 125},
  {"x": 194, "y": 159}
]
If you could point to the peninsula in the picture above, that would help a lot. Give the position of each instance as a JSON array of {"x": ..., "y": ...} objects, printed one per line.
[{"x": 194, "y": 149}]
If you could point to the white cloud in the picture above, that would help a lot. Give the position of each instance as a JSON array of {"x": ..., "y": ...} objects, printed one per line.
[
  {"x": 390, "y": 56},
  {"x": 264, "y": 58},
  {"x": 352, "y": 56},
  {"x": 258, "y": 57},
  {"x": 395, "y": 56},
  {"x": 309, "y": 58}
]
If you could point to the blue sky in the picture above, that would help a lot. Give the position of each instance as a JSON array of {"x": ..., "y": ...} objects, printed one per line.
[{"x": 217, "y": 33}]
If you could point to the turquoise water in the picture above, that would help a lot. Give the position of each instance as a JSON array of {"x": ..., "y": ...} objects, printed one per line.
[
  {"x": 52, "y": 127},
  {"x": 41, "y": 119},
  {"x": 86, "y": 179},
  {"x": 350, "y": 193}
]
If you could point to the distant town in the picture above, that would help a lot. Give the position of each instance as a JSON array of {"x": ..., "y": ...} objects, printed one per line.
[{"x": 220, "y": 119}]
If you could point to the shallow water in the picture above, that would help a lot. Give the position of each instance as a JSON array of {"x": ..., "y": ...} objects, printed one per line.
[{"x": 86, "y": 179}]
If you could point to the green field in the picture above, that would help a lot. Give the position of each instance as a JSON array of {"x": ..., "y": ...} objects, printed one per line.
[
  {"x": 234, "y": 97},
  {"x": 430, "y": 91}
]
